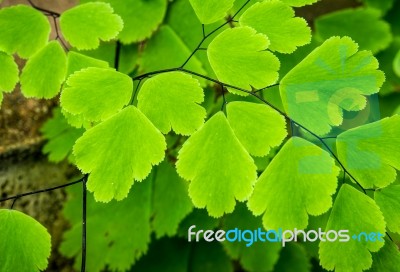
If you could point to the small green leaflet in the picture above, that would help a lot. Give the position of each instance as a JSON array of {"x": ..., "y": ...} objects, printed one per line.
[
  {"x": 171, "y": 202},
  {"x": 388, "y": 200},
  {"x": 117, "y": 151},
  {"x": 276, "y": 20},
  {"x": 44, "y": 72},
  {"x": 77, "y": 62},
  {"x": 85, "y": 25},
  {"x": 96, "y": 93},
  {"x": 386, "y": 259},
  {"x": 257, "y": 126},
  {"x": 238, "y": 58},
  {"x": 60, "y": 136},
  {"x": 210, "y": 11},
  {"x": 141, "y": 17},
  {"x": 357, "y": 213},
  {"x": 24, "y": 243},
  {"x": 299, "y": 3},
  {"x": 9, "y": 74},
  {"x": 23, "y": 29},
  {"x": 301, "y": 172},
  {"x": 218, "y": 166},
  {"x": 171, "y": 100},
  {"x": 374, "y": 35},
  {"x": 371, "y": 152},
  {"x": 118, "y": 232},
  {"x": 260, "y": 256},
  {"x": 332, "y": 78}
]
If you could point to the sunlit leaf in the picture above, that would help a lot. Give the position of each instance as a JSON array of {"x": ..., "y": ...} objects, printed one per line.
[
  {"x": 96, "y": 93},
  {"x": 218, "y": 166},
  {"x": 386, "y": 259},
  {"x": 301, "y": 172},
  {"x": 276, "y": 20},
  {"x": 77, "y": 62},
  {"x": 9, "y": 74},
  {"x": 118, "y": 151},
  {"x": 371, "y": 152},
  {"x": 238, "y": 58},
  {"x": 299, "y": 3},
  {"x": 210, "y": 11},
  {"x": 171, "y": 101},
  {"x": 23, "y": 29},
  {"x": 356, "y": 213},
  {"x": 332, "y": 78},
  {"x": 44, "y": 72},
  {"x": 24, "y": 243},
  {"x": 257, "y": 126},
  {"x": 83, "y": 26}
]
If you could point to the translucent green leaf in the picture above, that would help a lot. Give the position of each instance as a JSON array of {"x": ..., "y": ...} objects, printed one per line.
[
  {"x": 374, "y": 34},
  {"x": 386, "y": 259},
  {"x": 171, "y": 202},
  {"x": 371, "y": 152},
  {"x": 383, "y": 5},
  {"x": 210, "y": 11},
  {"x": 396, "y": 64},
  {"x": 259, "y": 256},
  {"x": 9, "y": 73},
  {"x": 238, "y": 58},
  {"x": 117, "y": 151},
  {"x": 301, "y": 172},
  {"x": 85, "y": 25},
  {"x": 118, "y": 233},
  {"x": 332, "y": 78},
  {"x": 24, "y": 243},
  {"x": 218, "y": 166},
  {"x": 44, "y": 72},
  {"x": 77, "y": 62},
  {"x": 299, "y": 3},
  {"x": 23, "y": 29},
  {"x": 293, "y": 257},
  {"x": 257, "y": 126},
  {"x": 357, "y": 213},
  {"x": 388, "y": 200},
  {"x": 157, "y": 55},
  {"x": 141, "y": 17},
  {"x": 60, "y": 135},
  {"x": 96, "y": 93},
  {"x": 172, "y": 100},
  {"x": 276, "y": 20},
  {"x": 387, "y": 59}
]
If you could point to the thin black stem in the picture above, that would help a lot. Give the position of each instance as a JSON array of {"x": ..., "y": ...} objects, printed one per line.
[
  {"x": 41, "y": 191},
  {"x": 264, "y": 88},
  {"x": 84, "y": 196},
  {"x": 58, "y": 37},
  {"x": 135, "y": 92},
  {"x": 45, "y": 11},
  {"x": 389, "y": 236},
  {"x": 223, "y": 98},
  {"x": 204, "y": 31},
  {"x": 117, "y": 53},
  {"x": 12, "y": 205}
]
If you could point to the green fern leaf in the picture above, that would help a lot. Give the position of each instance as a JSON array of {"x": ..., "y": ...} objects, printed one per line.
[
  {"x": 371, "y": 152},
  {"x": 44, "y": 72},
  {"x": 210, "y": 11},
  {"x": 172, "y": 100},
  {"x": 357, "y": 213},
  {"x": 276, "y": 20},
  {"x": 218, "y": 166},
  {"x": 24, "y": 243},
  {"x": 332, "y": 78},
  {"x": 301, "y": 172},
  {"x": 107, "y": 152},
  {"x": 85, "y": 25}
]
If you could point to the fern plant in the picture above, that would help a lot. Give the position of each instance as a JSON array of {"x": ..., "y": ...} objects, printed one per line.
[{"x": 223, "y": 115}]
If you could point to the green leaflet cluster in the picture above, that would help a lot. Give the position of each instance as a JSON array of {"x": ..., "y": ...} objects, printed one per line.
[{"x": 156, "y": 143}]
